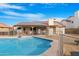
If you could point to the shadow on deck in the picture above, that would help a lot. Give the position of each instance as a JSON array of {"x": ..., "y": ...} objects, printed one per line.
[{"x": 74, "y": 53}]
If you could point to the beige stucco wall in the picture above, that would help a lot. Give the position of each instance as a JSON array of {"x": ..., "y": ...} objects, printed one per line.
[
  {"x": 50, "y": 22},
  {"x": 50, "y": 31},
  {"x": 60, "y": 30},
  {"x": 4, "y": 29}
]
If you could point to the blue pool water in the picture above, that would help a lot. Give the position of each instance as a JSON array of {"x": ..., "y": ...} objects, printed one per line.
[{"x": 23, "y": 46}]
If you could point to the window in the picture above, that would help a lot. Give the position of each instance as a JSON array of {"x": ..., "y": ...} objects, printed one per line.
[{"x": 72, "y": 22}]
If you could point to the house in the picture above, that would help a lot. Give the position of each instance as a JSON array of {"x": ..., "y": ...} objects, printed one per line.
[
  {"x": 50, "y": 27},
  {"x": 76, "y": 20},
  {"x": 4, "y": 29},
  {"x": 72, "y": 21},
  {"x": 68, "y": 23}
]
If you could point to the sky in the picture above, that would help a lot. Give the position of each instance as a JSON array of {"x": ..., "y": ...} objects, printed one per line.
[{"x": 12, "y": 13}]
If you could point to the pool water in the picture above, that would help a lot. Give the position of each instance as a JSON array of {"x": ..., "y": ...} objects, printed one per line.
[{"x": 23, "y": 46}]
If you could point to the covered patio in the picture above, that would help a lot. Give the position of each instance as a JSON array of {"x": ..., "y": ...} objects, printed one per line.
[{"x": 32, "y": 28}]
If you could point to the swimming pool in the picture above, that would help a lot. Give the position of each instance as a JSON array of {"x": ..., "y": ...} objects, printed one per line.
[{"x": 27, "y": 46}]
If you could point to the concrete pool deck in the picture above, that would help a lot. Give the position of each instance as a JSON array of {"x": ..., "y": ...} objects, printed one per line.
[{"x": 68, "y": 45}]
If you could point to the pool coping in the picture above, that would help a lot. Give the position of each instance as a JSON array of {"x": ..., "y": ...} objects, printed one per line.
[
  {"x": 13, "y": 36},
  {"x": 43, "y": 38},
  {"x": 53, "y": 50}
]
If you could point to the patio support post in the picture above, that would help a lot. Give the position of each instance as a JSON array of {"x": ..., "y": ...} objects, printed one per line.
[
  {"x": 9, "y": 32},
  {"x": 32, "y": 30}
]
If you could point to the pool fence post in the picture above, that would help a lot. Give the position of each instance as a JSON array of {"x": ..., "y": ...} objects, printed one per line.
[{"x": 60, "y": 45}]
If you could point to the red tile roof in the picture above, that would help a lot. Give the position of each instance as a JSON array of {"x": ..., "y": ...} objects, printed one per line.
[{"x": 3, "y": 25}]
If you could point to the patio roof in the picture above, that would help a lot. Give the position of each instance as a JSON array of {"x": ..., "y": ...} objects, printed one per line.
[
  {"x": 40, "y": 23},
  {"x": 36, "y": 23}
]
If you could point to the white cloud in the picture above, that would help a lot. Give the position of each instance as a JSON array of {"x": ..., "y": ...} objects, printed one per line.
[
  {"x": 12, "y": 13},
  {"x": 24, "y": 15},
  {"x": 10, "y": 6},
  {"x": 53, "y": 5},
  {"x": 49, "y": 5},
  {"x": 59, "y": 18},
  {"x": 35, "y": 17},
  {"x": 38, "y": 15},
  {"x": 31, "y": 4},
  {"x": 6, "y": 17},
  {"x": 29, "y": 16},
  {"x": 10, "y": 17}
]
